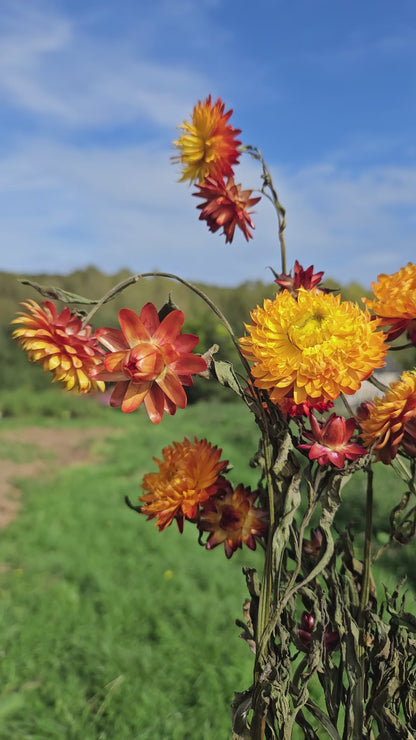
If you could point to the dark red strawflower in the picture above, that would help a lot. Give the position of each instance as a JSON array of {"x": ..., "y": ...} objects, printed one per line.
[
  {"x": 307, "y": 279},
  {"x": 313, "y": 546},
  {"x": 290, "y": 409},
  {"x": 305, "y": 631},
  {"x": 226, "y": 206},
  {"x": 330, "y": 442},
  {"x": 231, "y": 517}
]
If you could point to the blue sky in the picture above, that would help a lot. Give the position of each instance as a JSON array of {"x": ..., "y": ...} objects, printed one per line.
[{"x": 91, "y": 94}]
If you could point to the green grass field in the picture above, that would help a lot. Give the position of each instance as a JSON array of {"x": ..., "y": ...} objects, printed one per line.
[{"x": 108, "y": 628}]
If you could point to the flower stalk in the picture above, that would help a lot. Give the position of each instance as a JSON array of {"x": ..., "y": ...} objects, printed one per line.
[{"x": 270, "y": 192}]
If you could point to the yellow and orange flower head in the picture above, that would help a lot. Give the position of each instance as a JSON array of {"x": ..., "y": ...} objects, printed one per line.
[
  {"x": 226, "y": 206},
  {"x": 389, "y": 423},
  {"x": 61, "y": 344},
  {"x": 231, "y": 517},
  {"x": 395, "y": 302},
  {"x": 208, "y": 144},
  {"x": 189, "y": 473},
  {"x": 311, "y": 348},
  {"x": 150, "y": 361}
]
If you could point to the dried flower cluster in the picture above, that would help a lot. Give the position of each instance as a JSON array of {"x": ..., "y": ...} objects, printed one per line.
[{"x": 304, "y": 350}]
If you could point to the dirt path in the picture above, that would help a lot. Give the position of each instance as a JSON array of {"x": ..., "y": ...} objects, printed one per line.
[{"x": 47, "y": 451}]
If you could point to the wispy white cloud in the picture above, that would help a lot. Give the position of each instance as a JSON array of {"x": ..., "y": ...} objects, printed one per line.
[
  {"x": 125, "y": 209},
  {"x": 72, "y": 195},
  {"x": 54, "y": 66}
]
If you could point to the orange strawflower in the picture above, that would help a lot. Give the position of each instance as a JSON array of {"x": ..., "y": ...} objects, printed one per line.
[
  {"x": 395, "y": 302},
  {"x": 61, "y": 344},
  {"x": 231, "y": 517},
  {"x": 150, "y": 361},
  {"x": 208, "y": 144},
  {"x": 389, "y": 423},
  {"x": 226, "y": 206},
  {"x": 188, "y": 475},
  {"x": 313, "y": 347}
]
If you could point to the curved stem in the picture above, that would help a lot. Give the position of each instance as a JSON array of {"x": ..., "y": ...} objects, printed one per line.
[
  {"x": 401, "y": 346},
  {"x": 170, "y": 276},
  {"x": 378, "y": 384},
  {"x": 273, "y": 197}
]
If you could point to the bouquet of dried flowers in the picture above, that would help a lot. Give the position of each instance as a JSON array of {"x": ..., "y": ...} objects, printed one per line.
[{"x": 314, "y": 614}]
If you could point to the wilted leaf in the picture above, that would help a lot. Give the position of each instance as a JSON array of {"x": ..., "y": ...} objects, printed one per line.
[
  {"x": 58, "y": 294},
  {"x": 225, "y": 374}
]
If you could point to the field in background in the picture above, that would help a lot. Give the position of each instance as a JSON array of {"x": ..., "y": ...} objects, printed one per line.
[{"x": 109, "y": 629}]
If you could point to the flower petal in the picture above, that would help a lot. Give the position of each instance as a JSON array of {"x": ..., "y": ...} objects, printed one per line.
[
  {"x": 134, "y": 396},
  {"x": 132, "y": 327},
  {"x": 149, "y": 317},
  {"x": 169, "y": 327},
  {"x": 155, "y": 404},
  {"x": 189, "y": 364},
  {"x": 172, "y": 387},
  {"x": 112, "y": 339}
]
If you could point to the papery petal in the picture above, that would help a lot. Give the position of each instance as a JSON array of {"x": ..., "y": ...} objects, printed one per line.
[
  {"x": 132, "y": 327},
  {"x": 171, "y": 386},
  {"x": 114, "y": 362},
  {"x": 112, "y": 339},
  {"x": 155, "y": 404},
  {"x": 170, "y": 327},
  {"x": 186, "y": 343},
  {"x": 188, "y": 364},
  {"x": 134, "y": 396},
  {"x": 150, "y": 318},
  {"x": 118, "y": 394}
]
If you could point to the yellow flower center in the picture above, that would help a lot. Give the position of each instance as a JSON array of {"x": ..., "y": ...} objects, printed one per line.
[{"x": 309, "y": 331}]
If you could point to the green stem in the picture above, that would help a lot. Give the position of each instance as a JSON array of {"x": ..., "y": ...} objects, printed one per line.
[
  {"x": 359, "y": 689},
  {"x": 258, "y": 722},
  {"x": 378, "y": 384},
  {"x": 273, "y": 197},
  {"x": 401, "y": 346}
]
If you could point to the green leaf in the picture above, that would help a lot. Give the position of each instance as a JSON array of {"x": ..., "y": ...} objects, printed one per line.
[
  {"x": 224, "y": 372},
  {"x": 323, "y": 720},
  {"x": 58, "y": 294}
]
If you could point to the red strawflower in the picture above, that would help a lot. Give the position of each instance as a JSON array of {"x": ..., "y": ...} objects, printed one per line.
[
  {"x": 226, "y": 206},
  {"x": 330, "y": 442},
  {"x": 291, "y": 409},
  {"x": 313, "y": 546},
  {"x": 307, "y": 279},
  {"x": 305, "y": 631},
  {"x": 150, "y": 361},
  {"x": 231, "y": 517}
]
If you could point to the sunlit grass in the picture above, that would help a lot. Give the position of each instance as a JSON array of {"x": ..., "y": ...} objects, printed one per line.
[{"x": 110, "y": 629}]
